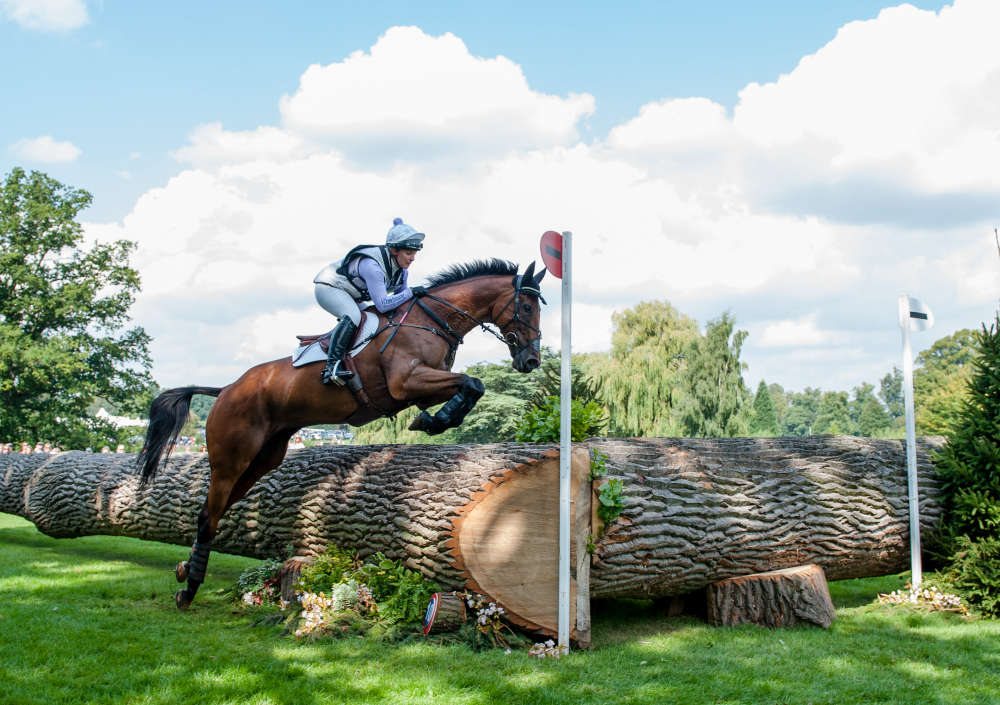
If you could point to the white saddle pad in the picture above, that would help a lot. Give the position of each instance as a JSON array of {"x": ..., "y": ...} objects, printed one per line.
[{"x": 305, "y": 354}]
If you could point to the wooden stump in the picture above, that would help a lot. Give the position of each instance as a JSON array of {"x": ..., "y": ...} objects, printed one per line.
[
  {"x": 780, "y": 598},
  {"x": 290, "y": 572},
  {"x": 445, "y": 613}
]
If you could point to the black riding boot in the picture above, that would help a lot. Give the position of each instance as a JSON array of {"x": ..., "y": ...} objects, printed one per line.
[{"x": 340, "y": 341}]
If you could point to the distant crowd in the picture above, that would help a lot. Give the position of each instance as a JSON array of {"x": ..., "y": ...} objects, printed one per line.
[
  {"x": 185, "y": 444},
  {"x": 47, "y": 448}
]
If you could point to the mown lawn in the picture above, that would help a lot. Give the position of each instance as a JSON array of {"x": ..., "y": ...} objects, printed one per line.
[{"x": 92, "y": 620}]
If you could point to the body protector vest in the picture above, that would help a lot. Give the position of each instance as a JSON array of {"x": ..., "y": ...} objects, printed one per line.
[{"x": 343, "y": 273}]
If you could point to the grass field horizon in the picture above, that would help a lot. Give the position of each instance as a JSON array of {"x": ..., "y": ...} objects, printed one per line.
[{"x": 92, "y": 620}]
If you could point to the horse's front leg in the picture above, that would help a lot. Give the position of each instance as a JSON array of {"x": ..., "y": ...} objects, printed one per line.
[{"x": 430, "y": 386}]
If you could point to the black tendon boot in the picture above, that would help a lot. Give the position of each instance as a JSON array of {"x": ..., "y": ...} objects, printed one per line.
[{"x": 340, "y": 341}]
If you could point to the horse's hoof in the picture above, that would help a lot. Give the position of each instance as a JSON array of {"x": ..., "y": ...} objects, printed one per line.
[
  {"x": 423, "y": 422},
  {"x": 182, "y": 599},
  {"x": 181, "y": 571}
]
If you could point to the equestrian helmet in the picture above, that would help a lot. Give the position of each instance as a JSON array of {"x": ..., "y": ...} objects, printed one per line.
[{"x": 403, "y": 237}]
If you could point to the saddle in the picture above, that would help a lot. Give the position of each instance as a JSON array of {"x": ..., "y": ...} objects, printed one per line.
[
  {"x": 322, "y": 340},
  {"x": 315, "y": 348}
]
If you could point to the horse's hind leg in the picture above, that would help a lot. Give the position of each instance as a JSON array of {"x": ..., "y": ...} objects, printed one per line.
[
  {"x": 221, "y": 496},
  {"x": 193, "y": 569}
]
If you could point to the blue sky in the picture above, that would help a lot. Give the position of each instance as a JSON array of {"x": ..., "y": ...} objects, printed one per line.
[
  {"x": 797, "y": 164},
  {"x": 128, "y": 86}
]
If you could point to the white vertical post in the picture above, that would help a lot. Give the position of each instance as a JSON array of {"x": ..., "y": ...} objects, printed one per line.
[
  {"x": 911, "y": 444},
  {"x": 565, "y": 435}
]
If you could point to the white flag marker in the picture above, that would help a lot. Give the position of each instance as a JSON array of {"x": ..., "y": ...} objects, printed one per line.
[{"x": 913, "y": 315}]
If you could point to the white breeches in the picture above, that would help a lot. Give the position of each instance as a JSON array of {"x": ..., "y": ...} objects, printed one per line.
[{"x": 338, "y": 302}]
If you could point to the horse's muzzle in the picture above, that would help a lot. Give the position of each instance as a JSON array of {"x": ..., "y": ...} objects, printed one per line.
[{"x": 526, "y": 360}]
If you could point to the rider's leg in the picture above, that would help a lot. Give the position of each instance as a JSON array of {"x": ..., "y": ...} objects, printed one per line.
[
  {"x": 342, "y": 305},
  {"x": 340, "y": 341}
]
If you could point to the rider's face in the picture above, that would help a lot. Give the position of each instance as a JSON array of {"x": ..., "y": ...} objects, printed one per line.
[{"x": 404, "y": 258}]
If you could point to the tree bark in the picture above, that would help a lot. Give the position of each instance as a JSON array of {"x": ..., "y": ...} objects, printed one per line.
[
  {"x": 780, "y": 598},
  {"x": 702, "y": 510},
  {"x": 485, "y": 517}
]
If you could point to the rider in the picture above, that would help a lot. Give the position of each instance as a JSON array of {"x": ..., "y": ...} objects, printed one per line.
[{"x": 376, "y": 273}]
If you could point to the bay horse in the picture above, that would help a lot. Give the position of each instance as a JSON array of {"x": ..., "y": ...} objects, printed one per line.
[{"x": 407, "y": 363}]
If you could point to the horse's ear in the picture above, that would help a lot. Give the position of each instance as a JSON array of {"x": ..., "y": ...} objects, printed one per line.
[
  {"x": 538, "y": 279},
  {"x": 529, "y": 273}
]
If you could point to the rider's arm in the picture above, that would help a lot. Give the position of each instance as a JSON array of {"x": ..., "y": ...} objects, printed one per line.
[{"x": 375, "y": 280}]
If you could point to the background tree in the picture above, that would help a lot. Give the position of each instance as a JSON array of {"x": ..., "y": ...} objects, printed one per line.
[
  {"x": 64, "y": 338},
  {"x": 802, "y": 408},
  {"x": 501, "y": 412},
  {"x": 873, "y": 420},
  {"x": 862, "y": 394},
  {"x": 645, "y": 366},
  {"x": 968, "y": 469},
  {"x": 764, "y": 421},
  {"x": 891, "y": 394},
  {"x": 940, "y": 380},
  {"x": 713, "y": 395},
  {"x": 779, "y": 400},
  {"x": 832, "y": 414}
]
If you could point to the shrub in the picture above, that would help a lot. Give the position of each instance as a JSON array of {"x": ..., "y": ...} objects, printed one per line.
[
  {"x": 328, "y": 569},
  {"x": 542, "y": 424},
  {"x": 968, "y": 470},
  {"x": 975, "y": 573},
  {"x": 258, "y": 584}
]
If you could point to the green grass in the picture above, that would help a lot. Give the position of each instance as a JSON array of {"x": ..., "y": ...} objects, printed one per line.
[{"x": 92, "y": 620}]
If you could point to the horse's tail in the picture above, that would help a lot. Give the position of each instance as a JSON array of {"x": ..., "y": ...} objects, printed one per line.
[{"x": 167, "y": 415}]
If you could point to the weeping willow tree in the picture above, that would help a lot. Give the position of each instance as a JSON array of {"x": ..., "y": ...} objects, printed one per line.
[{"x": 644, "y": 367}]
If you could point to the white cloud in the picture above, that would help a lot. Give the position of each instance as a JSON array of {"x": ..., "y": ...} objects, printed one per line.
[
  {"x": 911, "y": 92},
  {"x": 412, "y": 97},
  {"x": 46, "y": 15},
  {"x": 45, "y": 149},
  {"x": 415, "y": 88},
  {"x": 210, "y": 145},
  {"x": 686, "y": 124},
  {"x": 802, "y": 332},
  {"x": 767, "y": 212},
  {"x": 894, "y": 120}
]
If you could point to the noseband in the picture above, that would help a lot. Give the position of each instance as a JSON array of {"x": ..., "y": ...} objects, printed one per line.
[{"x": 535, "y": 343}]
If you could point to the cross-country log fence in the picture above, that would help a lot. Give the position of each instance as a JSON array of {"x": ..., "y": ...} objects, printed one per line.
[{"x": 485, "y": 517}]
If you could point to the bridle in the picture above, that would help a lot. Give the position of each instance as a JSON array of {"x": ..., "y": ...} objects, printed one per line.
[
  {"x": 531, "y": 287},
  {"x": 503, "y": 333}
]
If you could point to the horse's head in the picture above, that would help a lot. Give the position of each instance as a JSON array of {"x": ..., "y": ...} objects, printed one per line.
[{"x": 520, "y": 329}]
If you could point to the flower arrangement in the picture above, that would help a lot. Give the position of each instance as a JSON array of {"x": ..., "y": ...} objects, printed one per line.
[
  {"x": 930, "y": 599},
  {"x": 488, "y": 616},
  {"x": 339, "y": 594},
  {"x": 547, "y": 649}
]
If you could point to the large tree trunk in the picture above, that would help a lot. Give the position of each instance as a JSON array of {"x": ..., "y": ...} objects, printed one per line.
[
  {"x": 702, "y": 510},
  {"x": 486, "y": 517}
]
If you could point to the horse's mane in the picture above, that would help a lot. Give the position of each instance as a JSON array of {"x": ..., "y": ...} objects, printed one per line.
[{"x": 475, "y": 268}]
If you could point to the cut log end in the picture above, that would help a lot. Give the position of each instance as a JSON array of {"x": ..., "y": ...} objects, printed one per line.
[{"x": 780, "y": 598}]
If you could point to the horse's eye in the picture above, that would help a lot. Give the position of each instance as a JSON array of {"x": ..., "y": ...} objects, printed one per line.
[{"x": 526, "y": 308}]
